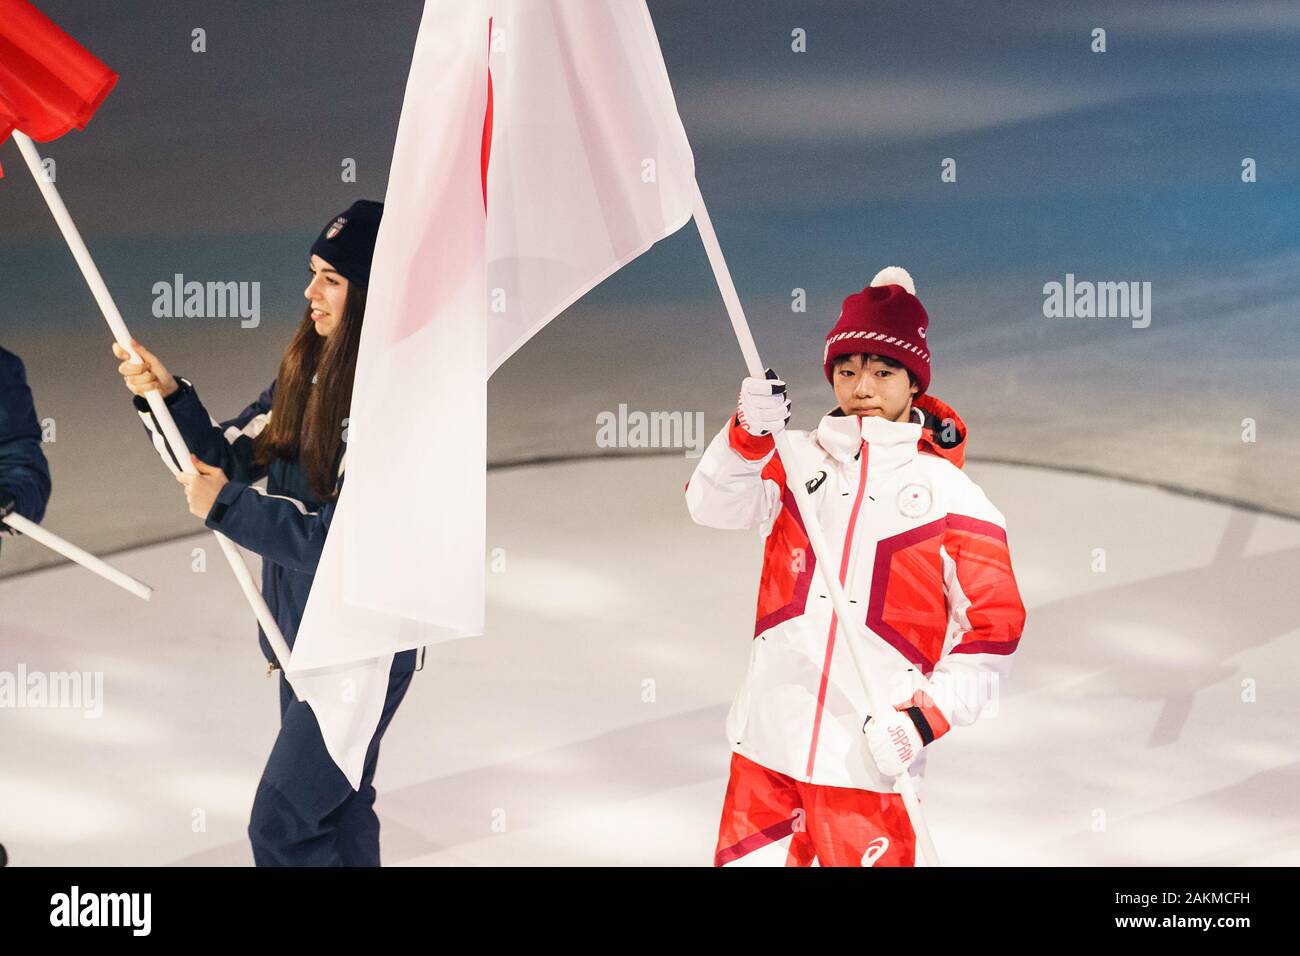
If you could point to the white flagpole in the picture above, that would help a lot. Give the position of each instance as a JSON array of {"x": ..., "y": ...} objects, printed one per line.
[
  {"x": 155, "y": 399},
  {"x": 74, "y": 553},
  {"x": 847, "y": 622}
]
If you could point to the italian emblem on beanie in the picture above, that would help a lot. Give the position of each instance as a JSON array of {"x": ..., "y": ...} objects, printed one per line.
[
  {"x": 885, "y": 318},
  {"x": 348, "y": 242}
]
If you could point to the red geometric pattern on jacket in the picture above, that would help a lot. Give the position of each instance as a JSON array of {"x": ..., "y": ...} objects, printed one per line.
[
  {"x": 908, "y": 608},
  {"x": 983, "y": 562}
]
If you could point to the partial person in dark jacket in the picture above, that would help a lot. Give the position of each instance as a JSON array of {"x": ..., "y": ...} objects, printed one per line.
[
  {"x": 24, "y": 472},
  {"x": 305, "y": 812}
]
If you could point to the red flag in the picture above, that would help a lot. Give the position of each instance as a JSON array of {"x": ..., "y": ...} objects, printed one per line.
[{"x": 49, "y": 82}]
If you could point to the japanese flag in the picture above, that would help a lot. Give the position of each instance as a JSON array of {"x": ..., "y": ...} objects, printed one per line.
[{"x": 539, "y": 150}]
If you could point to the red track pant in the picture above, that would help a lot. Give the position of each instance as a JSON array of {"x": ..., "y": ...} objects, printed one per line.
[{"x": 769, "y": 819}]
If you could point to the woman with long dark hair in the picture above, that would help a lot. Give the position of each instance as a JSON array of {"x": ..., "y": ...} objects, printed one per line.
[{"x": 305, "y": 812}]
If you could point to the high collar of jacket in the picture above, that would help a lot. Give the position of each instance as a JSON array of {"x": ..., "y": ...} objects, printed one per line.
[
  {"x": 891, "y": 443},
  {"x": 935, "y": 428}
]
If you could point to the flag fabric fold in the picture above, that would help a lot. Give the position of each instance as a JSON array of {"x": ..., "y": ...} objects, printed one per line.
[
  {"x": 539, "y": 150},
  {"x": 49, "y": 83}
]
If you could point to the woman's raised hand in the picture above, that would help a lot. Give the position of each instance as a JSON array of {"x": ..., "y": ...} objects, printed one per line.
[{"x": 147, "y": 374}]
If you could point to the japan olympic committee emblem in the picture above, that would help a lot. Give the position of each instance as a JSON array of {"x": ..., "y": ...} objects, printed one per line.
[{"x": 914, "y": 500}]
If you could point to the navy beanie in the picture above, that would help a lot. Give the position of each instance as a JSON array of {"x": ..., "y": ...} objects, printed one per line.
[{"x": 348, "y": 242}]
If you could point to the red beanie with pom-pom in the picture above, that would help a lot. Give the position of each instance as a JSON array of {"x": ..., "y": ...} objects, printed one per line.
[{"x": 885, "y": 318}]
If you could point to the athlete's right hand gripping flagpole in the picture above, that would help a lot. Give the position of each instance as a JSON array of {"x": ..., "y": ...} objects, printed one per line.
[
  {"x": 844, "y": 614},
  {"x": 156, "y": 402}
]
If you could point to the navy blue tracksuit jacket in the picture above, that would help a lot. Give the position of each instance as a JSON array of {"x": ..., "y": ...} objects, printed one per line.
[
  {"x": 24, "y": 472},
  {"x": 286, "y": 524}
]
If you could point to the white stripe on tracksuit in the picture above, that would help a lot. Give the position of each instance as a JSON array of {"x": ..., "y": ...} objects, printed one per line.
[{"x": 233, "y": 434}]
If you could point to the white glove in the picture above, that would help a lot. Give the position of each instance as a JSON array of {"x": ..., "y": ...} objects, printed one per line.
[
  {"x": 762, "y": 408},
  {"x": 894, "y": 742}
]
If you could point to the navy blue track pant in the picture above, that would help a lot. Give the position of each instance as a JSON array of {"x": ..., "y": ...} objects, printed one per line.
[{"x": 305, "y": 812}]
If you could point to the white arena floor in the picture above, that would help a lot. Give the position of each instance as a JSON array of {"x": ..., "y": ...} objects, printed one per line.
[{"x": 1150, "y": 719}]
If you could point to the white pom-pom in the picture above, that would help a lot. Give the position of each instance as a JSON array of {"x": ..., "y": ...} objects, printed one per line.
[{"x": 895, "y": 275}]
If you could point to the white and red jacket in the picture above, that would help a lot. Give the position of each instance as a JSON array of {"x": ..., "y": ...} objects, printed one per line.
[{"x": 921, "y": 553}]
